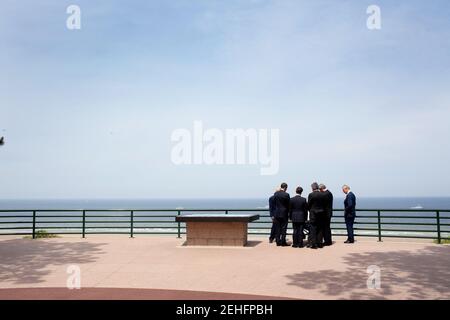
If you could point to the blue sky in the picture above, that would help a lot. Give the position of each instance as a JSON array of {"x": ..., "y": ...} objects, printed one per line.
[{"x": 89, "y": 113}]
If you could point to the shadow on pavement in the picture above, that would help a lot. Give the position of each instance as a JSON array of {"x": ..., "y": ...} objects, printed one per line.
[
  {"x": 26, "y": 261},
  {"x": 423, "y": 274}
]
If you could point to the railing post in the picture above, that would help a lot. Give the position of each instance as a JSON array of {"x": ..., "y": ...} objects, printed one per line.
[
  {"x": 438, "y": 221},
  {"x": 179, "y": 226},
  {"x": 131, "y": 224},
  {"x": 34, "y": 225},
  {"x": 83, "y": 232},
  {"x": 379, "y": 226},
  {"x": 226, "y": 211}
]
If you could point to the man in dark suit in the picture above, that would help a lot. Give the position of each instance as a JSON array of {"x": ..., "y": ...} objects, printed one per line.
[
  {"x": 282, "y": 201},
  {"x": 317, "y": 204},
  {"x": 298, "y": 212},
  {"x": 349, "y": 212},
  {"x": 272, "y": 216},
  {"x": 329, "y": 208}
]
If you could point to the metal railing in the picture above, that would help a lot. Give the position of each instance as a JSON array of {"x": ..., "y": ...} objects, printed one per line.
[{"x": 380, "y": 223}]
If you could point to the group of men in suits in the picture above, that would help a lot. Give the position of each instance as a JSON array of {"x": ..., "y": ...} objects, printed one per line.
[{"x": 320, "y": 207}]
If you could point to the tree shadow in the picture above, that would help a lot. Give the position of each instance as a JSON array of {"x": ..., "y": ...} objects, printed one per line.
[
  {"x": 24, "y": 261},
  {"x": 423, "y": 274}
]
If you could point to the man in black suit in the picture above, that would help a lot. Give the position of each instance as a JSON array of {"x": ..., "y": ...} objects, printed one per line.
[
  {"x": 349, "y": 212},
  {"x": 281, "y": 201},
  {"x": 298, "y": 212},
  {"x": 272, "y": 216},
  {"x": 317, "y": 204},
  {"x": 329, "y": 208}
]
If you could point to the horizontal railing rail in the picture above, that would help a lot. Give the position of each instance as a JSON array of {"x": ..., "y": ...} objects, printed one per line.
[{"x": 380, "y": 223}]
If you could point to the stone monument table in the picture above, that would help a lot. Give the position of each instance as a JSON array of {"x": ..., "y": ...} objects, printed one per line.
[{"x": 217, "y": 229}]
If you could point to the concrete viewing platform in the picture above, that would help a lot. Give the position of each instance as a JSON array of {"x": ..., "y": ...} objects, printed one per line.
[{"x": 163, "y": 267}]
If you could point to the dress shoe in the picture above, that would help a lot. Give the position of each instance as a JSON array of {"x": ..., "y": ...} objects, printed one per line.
[
  {"x": 314, "y": 247},
  {"x": 270, "y": 240},
  {"x": 294, "y": 246},
  {"x": 349, "y": 241}
]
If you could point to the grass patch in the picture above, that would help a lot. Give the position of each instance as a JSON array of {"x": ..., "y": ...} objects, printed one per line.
[
  {"x": 41, "y": 234},
  {"x": 443, "y": 241}
]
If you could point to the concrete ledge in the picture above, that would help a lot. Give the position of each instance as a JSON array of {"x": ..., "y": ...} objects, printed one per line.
[{"x": 122, "y": 294}]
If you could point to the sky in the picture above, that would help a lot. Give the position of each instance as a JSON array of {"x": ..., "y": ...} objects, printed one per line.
[{"x": 89, "y": 113}]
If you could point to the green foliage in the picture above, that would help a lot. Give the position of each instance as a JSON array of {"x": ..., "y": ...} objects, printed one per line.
[
  {"x": 42, "y": 234},
  {"x": 443, "y": 241}
]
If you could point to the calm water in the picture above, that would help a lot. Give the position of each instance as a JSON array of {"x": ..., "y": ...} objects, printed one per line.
[
  {"x": 165, "y": 222},
  {"x": 366, "y": 203}
]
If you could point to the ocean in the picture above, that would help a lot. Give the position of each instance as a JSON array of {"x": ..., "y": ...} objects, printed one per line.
[
  {"x": 421, "y": 224},
  {"x": 256, "y": 203}
]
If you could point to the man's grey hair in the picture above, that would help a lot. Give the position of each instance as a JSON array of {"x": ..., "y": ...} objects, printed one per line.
[
  {"x": 322, "y": 186},
  {"x": 345, "y": 186},
  {"x": 314, "y": 186}
]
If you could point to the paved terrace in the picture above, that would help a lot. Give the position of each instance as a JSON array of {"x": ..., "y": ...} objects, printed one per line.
[{"x": 168, "y": 270}]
